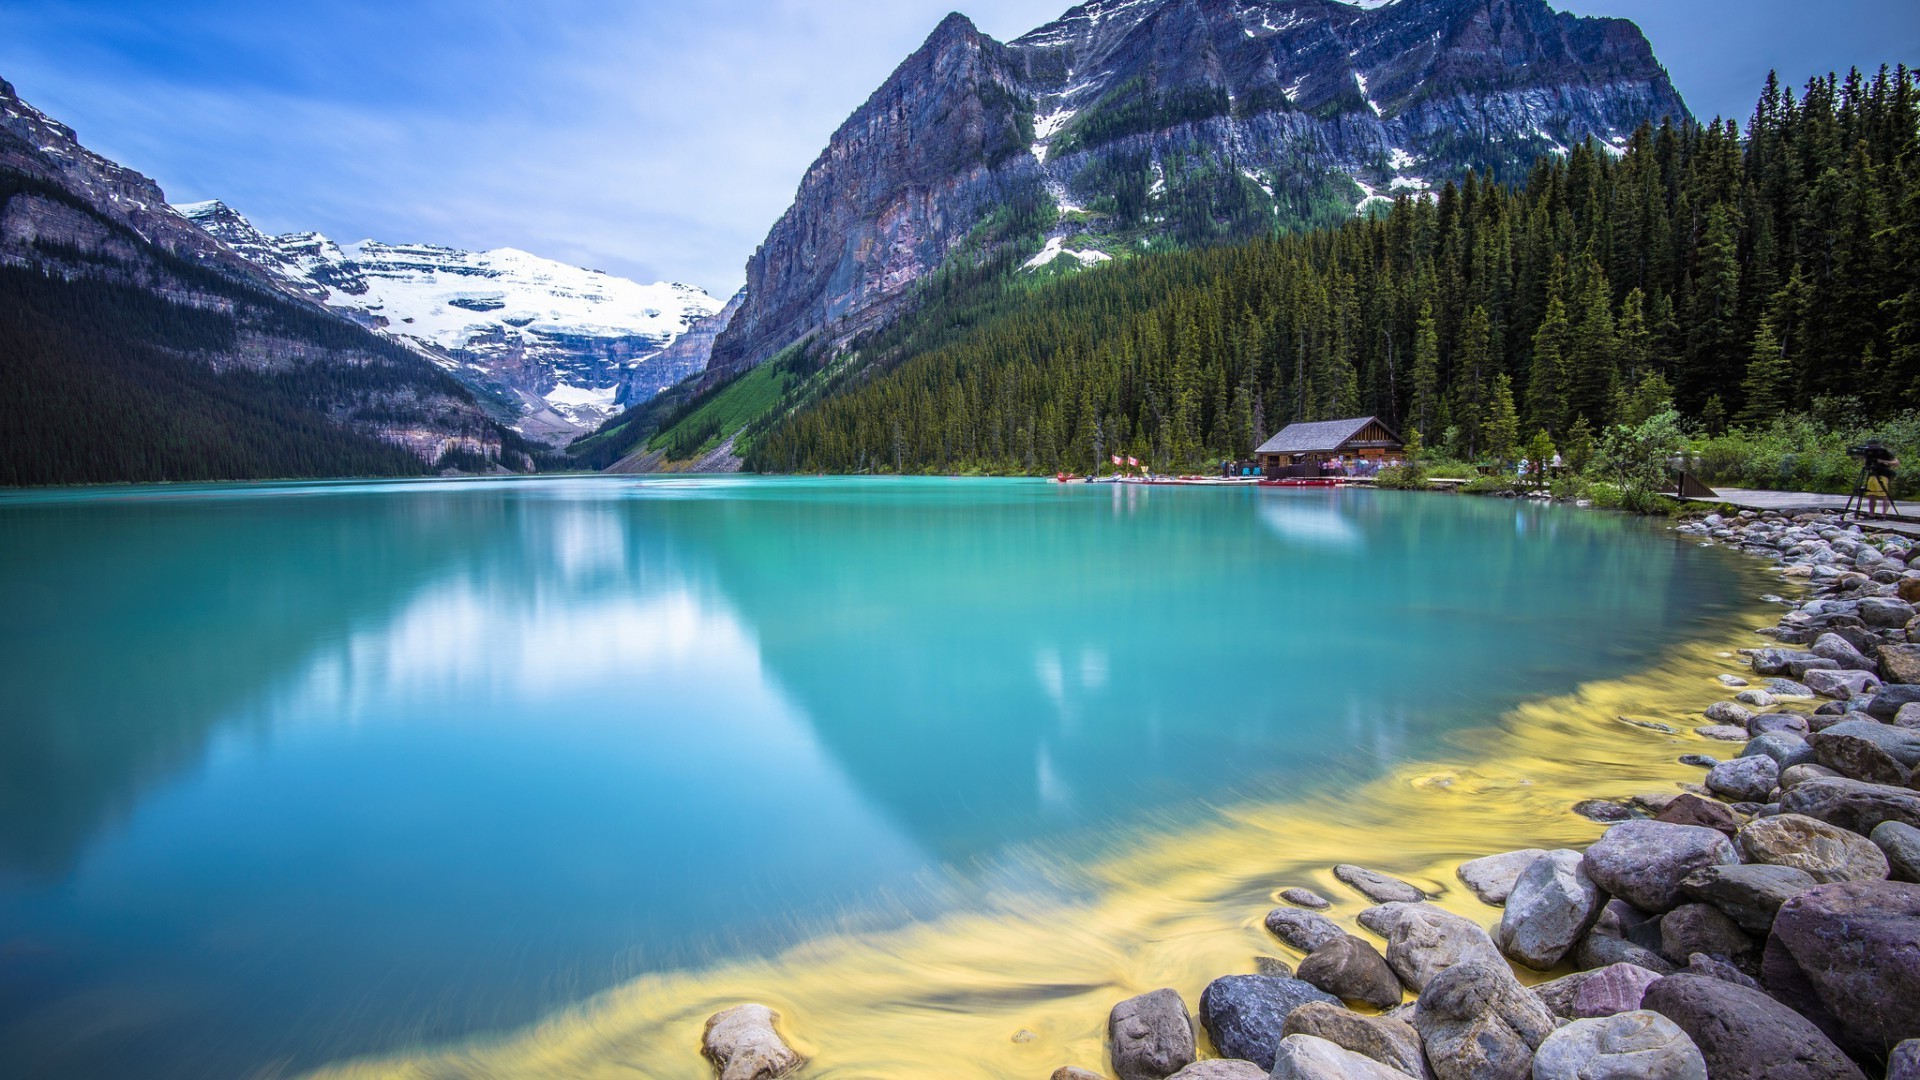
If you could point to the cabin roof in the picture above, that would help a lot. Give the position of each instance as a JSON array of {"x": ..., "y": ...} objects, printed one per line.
[{"x": 1319, "y": 435}]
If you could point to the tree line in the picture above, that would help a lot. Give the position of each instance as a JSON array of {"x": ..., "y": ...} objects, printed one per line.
[{"x": 1733, "y": 274}]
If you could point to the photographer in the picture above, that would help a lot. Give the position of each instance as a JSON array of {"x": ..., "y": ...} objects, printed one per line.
[{"x": 1878, "y": 468}]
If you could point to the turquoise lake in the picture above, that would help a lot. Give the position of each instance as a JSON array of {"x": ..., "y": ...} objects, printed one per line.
[{"x": 291, "y": 773}]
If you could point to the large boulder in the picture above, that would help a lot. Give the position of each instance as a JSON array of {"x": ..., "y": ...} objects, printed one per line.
[
  {"x": 1479, "y": 1023},
  {"x": 1900, "y": 663},
  {"x": 1745, "y": 779},
  {"x": 1868, "y": 750},
  {"x": 1243, "y": 1013},
  {"x": 1605, "y": 991},
  {"x": 1745, "y": 1035},
  {"x": 1885, "y": 611},
  {"x": 1423, "y": 941},
  {"x": 1748, "y": 894},
  {"x": 1727, "y": 712},
  {"x": 1842, "y": 685},
  {"x": 1150, "y": 1036},
  {"x": 743, "y": 1044},
  {"x": 1853, "y": 804},
  {"x": 1827, "y": 852},
  {"x": 1791, "y": 723},
  {"x": 1690, "y": 809},
  {"x": 1841, "y": 651},
  {"x": 1388, "y": 1040},
  {"x": 1644, "y": 862},
  {"x": 1782, "y": 661},
  {"x": 1352, "y": 970},
  {"x": 1847, "y": 956},
  {"x": 1305, "y": 1057},
  {"x": 1378, "y": 887},
  {"x": 1901, "y": 845},
  {"x": 1551, "y": 908},
  {"x": 1786, "y": 748},
  {"x": 1492, "y": 877},
  {"x": 1302, "y": 930},
  {"x": 1888, "y": 700},
  {"x": 1703, "y": 928},
  {"x": 1626, "y": 1046},
  {"x": 1904, "y": 1062}
]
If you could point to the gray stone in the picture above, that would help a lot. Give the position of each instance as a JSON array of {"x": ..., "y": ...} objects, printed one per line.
[
  {"x": 1779, "y": 662},
  {"x": 1714, "y": 967},
  {"x": 1745, "y": 779},
  {"x": 1900, "y": 663},
  {"x": 1605, "y": 991},
  {"x": 1791, "y": 722},
  {"x": 1622, "y": 920},
  {"x": 743, "y": 1044},
  {"x": 1551, "y": 908},
  {"x": 1643, "y": 862},
  {"x": 1868, "y": 750},
  {"x": 1605, "y": 811},
  {"x": 1698, "y": 761},
  {"x": 1786, "y": 748},
  {"x": 1788, "y": 688},
  {"x": 1842, "y": 684},
  {"x": 1352, "y": 970},
  {"x": 1626, "y": 1046},
  {"x": 1841, "y": 651},
  {"x": 1243, "y": 1013},
  {"x": 1745, "y": 1035},
  {"x": 1723, "y": 732},
  {"x": 1852, "y": 804},
  {"x": 1388, "y": 1040},
  {"x": 1731, "y": 681},
  {"x": 1904, "y": 1062},
  {"x": 1376, "y": 886},
  {"x": 1602, "y": 950},
  {"x": 1750, "y": 895},
  {"x": 1305, "y": 1057},
  {"x": 1726, "y": 712},
  {"x": 1271, "y": 965},
  {"x": 1492, "y": 877},
  {"x": 1305, "y": 898},
  {"x": 1150, "y": 1036},
  {"x": 1302, "y": 930},
  {"x": 1688, "y": 809},
  {"x": 1888, "y": 700},
  {"x": 1907, "y": 717},
  {"x": 1847, "y": 956},
  {"x": 1827, "y": 852},
  {"x": 1703, "y": 928},
  {"x": 1221, "y": 1069},
  {"x": 1074, "y": 1072},
  {"x": 1423, "y": 941},
  {"x": 1800, "y": 774},
  {"x": 1754, "y": 699},
  {"x": 1479, "y": 1023},
  {"x": 1900, "y": 843},
  {"x": 1885, "y": 611}
]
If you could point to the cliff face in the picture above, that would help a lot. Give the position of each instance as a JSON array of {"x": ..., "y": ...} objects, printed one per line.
[
  {"x": 1142, "y": 121},
  {"x": 75, "y": 219}
]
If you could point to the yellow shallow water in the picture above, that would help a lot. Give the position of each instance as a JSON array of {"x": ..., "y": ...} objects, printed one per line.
[{"x": 1022, "y": 989}]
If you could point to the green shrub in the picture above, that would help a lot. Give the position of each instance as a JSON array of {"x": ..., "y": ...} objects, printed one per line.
[
  {"x": 1801, "y": 452},
  {"x": 1402, "y": 478},
  {"x": 1497, "y": 484}
]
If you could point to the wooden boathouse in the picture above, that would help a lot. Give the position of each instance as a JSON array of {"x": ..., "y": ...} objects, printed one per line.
[{"x": 1306, "y": 450}]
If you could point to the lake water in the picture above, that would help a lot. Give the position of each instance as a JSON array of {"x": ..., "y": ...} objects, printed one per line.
[{"x": 291, "y": 773}]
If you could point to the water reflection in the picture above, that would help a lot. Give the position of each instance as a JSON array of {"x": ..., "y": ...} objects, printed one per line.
[{"x": 306, "y": 771}]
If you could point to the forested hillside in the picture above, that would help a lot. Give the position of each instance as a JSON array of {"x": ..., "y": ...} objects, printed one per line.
[{"x": 1739, "y": 274}]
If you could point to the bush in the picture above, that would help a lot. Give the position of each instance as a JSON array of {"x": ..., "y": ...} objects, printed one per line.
[
  {"x": 1497, "y": 484},
  {"x": 1801, "y": 453},
  {"x": 1402, "y": 478}
]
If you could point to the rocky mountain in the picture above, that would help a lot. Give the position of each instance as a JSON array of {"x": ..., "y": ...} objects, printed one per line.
[
  {"x": 1136, "y": 123},
  {"x": 135, "y": 345},
  {"x": 567, "y": 346}
]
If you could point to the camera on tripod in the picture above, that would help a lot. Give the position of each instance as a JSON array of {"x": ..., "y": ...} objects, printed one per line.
[
  {"x": 1875, "y": 486},
  {"x": 1874, "y": 456}
]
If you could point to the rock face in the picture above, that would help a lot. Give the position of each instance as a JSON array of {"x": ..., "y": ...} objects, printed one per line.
[
  {"x": 1423, "y": 941},
  {"x": 1388, "y": 1040},
  {"x": 1492, "y": 877},
  {"x": 1825, "y": 852},
  {"x": 1150, "y": 1036},
  {"x": 1480, "y": 1023},
  {"x": 1644, "y": 862},
  {"x": 1847, "y": 955},
  {"x": 1351, "y": 969},
  {"x": 743, "y": 1045},
  {"x": 1551, "y": 908},
  {"x": 1625, "y": 1046},
  {"x": 1243, "y": 1013},
  {"x": 1745, "y": 1035},
  {"x": 1118, "y": 96},
  {"x": 1304, "y": 1057}
]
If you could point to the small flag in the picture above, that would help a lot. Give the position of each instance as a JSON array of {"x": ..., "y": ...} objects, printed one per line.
[
  {"x": 1134, "y": 461},
  {"x": 1116, "y": 459}
]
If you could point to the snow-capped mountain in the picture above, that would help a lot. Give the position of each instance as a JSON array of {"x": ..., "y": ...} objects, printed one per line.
[{"x": 568, "y": 346}]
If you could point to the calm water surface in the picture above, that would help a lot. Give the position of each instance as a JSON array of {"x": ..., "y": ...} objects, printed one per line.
[{"x": 295, "y": 772}]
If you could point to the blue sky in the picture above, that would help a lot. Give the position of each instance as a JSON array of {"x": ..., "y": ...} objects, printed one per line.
[{"x": 651, "y": 139}]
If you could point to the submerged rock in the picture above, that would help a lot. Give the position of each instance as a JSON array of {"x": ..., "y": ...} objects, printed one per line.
[
  {"x": 1376, "y": 886},
  {"x": 1243, "y": 1013},
  {"x": 743, "y": 1044},
  {"x": 1624, "y": 1046},
  {"x": 1150, "y": 1036},
  {"x": 1745, "y": 1035},
  {"x": 1305, "y": 898},
  {"x": 1491, "y": 878}
]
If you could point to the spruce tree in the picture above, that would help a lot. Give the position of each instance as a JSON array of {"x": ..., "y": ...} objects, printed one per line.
[{"x": 1765, "y": 385}]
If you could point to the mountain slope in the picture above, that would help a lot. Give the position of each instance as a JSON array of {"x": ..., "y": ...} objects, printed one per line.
[
  {"x": 567, "y": 346},
  {"x": 135, "y": 346},
  {"x": 1145, "y": 123}
]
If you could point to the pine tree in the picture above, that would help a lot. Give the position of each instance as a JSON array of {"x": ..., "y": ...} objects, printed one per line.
[
  {"x": 1503, "y": 423},
  {"x": 1766, "y": 381},
  {"x": 1547, "y": 380},
  {"x": 1427, "y": 413}
]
